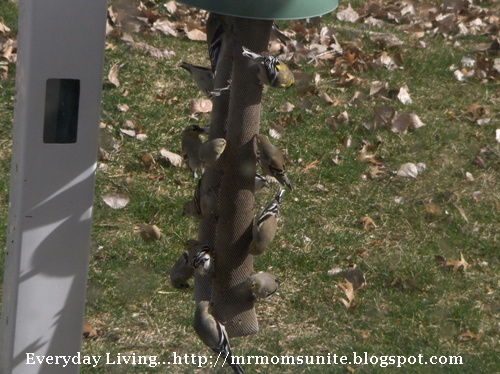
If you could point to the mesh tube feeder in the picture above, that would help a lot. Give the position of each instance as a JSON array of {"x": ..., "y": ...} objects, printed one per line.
[{"x": 236, "y": 117}]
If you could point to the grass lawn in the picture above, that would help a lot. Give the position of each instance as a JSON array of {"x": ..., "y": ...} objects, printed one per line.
[{"x": 349, "y": 207}]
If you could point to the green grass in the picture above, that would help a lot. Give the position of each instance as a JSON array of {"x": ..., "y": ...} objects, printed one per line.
[{"x": 409, "y": 305}]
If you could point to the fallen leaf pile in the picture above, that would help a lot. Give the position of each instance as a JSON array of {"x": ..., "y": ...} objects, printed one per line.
[
  {"x": 8, "y": 50},
  {"x": 461, "y": 264}
]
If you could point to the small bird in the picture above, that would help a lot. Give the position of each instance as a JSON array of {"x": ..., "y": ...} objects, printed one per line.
[
  {"x": 202, "y": 76},
  {"x": 181, "y": 272},
  {"x": 271, "y": 160},
  {"x": 273, "y": 72},
  {"x": 215, "y": 37},
  {"x": 213, "y": 334},
  {"x": 260, "y": 183},
  {"x": 191, "y": 144},
  {"x": 201, "y": 257},
  {"x": 265, "y": 226},
  {"x": 263, "y": 285},
  {"x": 192, "y": 208},
  {"x": 210, "y": 151},
  {"x": 203, "y": 203}
]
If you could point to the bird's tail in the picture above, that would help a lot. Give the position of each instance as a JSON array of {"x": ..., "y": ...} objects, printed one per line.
[
  {"x": 186, "y": 65},
  {"x": 236, "y": 367},
  {"x": 279, "y": 195},
  {"x": 252, "y": 55}
]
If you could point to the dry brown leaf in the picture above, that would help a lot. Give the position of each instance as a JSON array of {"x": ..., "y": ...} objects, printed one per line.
[
  {"x": 326, "y": 98},
  {"x": 149, "y": 232},
  {"x": 152, "y": 51},
  {"x": 367, "y": 154},
  {"x": 368, "y": 223},
  {"x": 356, "y": 277},
  {"x": 348, "y": 15},
  {"x": 200, "y": 106},
  {"x": 469, "y": 336},
  {"x": 8, "y": 48},
  {"x": 404, "y": 95},
  {"x": 379, "y": 88},
  {"x": 348, "y": 289},
  {"x": 383, "y": 115},
  {"x": 286, "y": 107},
  {"x": 457, "y": 264},
  {"x": 476, "y": 111},
  {"x": 128, "y": 132},
  {"x": 116, "y": 200},
  {"x": 334, "y": 271},
  {"x": 148, "y": 160},
  {"x": 406, "y": 121},
  {"x": 113, "y": 75},
  {"x": 141, "y": 137},
  {"x": 306, "y": 104},
  {"x": 408, "y": 170},
  {"x": 173, "y": 158},
  {"x": 165, "y": 26},
  {"x": 124, "y": 108},
  {"x": 196, "y": 35},
  {"x": 440, "y": 260},
  {"x": 310, "y": 165},
  {"x": 386, "y": 61},
  {"x": 4, "y": 72},
  {"x": 171, "y": 6},
  {"x": 432, "y": 210},
  {"x": 303, "y": 82},
  {"x": 88, "y": 331},
  {"x": 343, "y": 117},
  {"x": 479, "y": 162},
  {"x": 276, "y": 131},
  {"x": 377, "y": 171}
]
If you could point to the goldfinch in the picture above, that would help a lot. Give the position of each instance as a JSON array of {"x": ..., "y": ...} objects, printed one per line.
[
  {"x": 213, "y": 334},
  {"x": 265, "y": 226},
  {"x": 202, "y": 76},
  {"x": 262, "y": 285},
  {"x": 210, "y": 151},
  {"x": 272, "y": 71},
  {"x": 201, "y": 257},
  {"x": 191, "y": 144},
  {"x": 271, "y": 160},
  {"x": 181, "y": 272}
]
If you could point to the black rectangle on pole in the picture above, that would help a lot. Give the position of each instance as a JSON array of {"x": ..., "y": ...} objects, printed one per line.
[{"x": 62, "y": 99}]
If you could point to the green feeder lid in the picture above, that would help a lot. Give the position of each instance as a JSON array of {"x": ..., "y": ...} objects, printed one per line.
[{"x": 266, "y": 9}]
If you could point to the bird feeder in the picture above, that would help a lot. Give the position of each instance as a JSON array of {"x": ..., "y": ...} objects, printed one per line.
[
  {"x": 236, "y": 117},
  {"x": 267, "y": 9},
  {"x": 54, "y": 153}
]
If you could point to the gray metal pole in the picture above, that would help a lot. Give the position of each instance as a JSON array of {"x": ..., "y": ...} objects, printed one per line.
[{"x": 55, "y": 140}]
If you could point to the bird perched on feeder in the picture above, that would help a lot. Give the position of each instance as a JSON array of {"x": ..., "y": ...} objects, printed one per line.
[
  {"x": 265, "y": 226},
  {"x": 259, "y": 285},
  {"x": 201, "y": 257},
  {"x": 191, "y": 144},
  {"x": 213, "y": 334},
  {"x": 210, "y": 151},
  {"x": 202, "y": 76},
  {"x": 271, "y": 160},
  {"x": 193, "y": 207},
  {"x": 202, "y": 204},
  {"x": 181, "y": 272},
  {"x": 215, "y": 38},
  {"x": 272, "y": 71}
]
